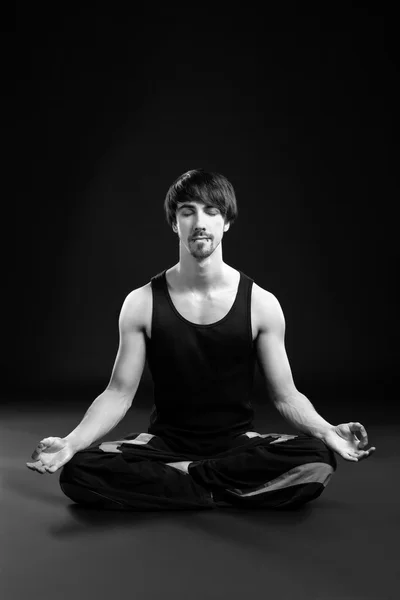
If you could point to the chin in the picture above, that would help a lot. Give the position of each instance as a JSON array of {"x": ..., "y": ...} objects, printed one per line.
[{"x": 202, "y": 256}]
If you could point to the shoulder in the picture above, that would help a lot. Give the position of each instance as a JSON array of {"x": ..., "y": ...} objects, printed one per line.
[
  {"x": 267, "y": 309},
  {"x": 264, "y": 298},
  {"x": 135, "y": 307},
  {"x": 138, "y": 296}
]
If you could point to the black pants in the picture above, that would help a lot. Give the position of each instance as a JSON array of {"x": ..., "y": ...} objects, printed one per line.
[{"x": 258, "y": 471}]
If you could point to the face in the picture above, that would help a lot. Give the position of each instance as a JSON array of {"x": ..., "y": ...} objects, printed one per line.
[{"x": 198, "y": 219}]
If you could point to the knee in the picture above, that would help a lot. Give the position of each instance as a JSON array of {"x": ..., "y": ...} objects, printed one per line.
[
  {"x": 301, "y": 495},
  {"x": 75, "y": 482},
  {"x": 71, "y": 473},
  {"x": 68, "y": 479},
  {"x": 316, "y": 477}
]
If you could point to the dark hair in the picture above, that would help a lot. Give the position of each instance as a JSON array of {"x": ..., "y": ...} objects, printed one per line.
[{"x": 200, "y": 185}]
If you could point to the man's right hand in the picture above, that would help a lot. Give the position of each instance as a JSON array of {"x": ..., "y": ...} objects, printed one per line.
[{"x": 50, "y": 455}]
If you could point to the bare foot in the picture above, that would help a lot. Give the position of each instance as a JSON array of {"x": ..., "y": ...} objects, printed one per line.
[{"x": 183, "y": 465}]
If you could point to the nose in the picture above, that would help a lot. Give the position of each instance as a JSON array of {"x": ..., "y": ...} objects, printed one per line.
[
  {"x": 199, "y": 224},
  {"x": 199, "y": 227},
  {"x": 199, "y": 220}
]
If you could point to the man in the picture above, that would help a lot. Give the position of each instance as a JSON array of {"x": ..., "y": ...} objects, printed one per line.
[{"x": 201, "y": 324}]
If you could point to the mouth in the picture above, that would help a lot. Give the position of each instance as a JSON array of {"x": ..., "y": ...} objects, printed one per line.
[{"x": 201, "y": 238}]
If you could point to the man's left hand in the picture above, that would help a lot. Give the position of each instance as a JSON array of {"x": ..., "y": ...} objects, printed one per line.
[{"x": 343, "y": 440}]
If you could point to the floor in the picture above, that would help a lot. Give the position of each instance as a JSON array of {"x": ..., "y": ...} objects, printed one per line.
[{"x": 343, "y": 546}]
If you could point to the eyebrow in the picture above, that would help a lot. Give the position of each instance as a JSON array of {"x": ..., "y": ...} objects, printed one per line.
[{"x": 187, "y": 205}]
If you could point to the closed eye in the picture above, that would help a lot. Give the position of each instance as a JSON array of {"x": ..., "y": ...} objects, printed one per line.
[{"x": 213, "y": 214}]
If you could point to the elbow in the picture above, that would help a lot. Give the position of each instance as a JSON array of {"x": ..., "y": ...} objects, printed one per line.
[
  {"x": 284, "y": 396},
  {"x": 121, "y": 394}
]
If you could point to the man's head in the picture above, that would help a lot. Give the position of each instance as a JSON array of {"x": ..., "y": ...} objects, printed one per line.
[
  {"x": 200, "y": 203},
  {"x": 202, "y": 186}
]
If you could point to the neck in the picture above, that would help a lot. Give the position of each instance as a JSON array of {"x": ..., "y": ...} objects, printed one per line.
[{"x": 201, "y": 277}]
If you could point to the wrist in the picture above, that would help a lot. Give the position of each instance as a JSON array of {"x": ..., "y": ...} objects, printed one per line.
[
  {"x": 325, "y": 432},
  {"x": 74, "y": 442}
]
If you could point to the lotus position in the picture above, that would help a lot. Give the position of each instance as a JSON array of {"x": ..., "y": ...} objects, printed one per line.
[{"x": 202, "y": 325}]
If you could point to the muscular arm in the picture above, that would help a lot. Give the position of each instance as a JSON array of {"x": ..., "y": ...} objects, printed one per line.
[
  {"x": 109, "y": 408},
  {"x": 275, "y": 367}
]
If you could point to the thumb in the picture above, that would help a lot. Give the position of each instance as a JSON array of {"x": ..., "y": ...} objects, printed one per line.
[
  {"x": 51, "y": 444},
  {"x": 53, "y": 468},
  {"x": 43, "y": 446}
]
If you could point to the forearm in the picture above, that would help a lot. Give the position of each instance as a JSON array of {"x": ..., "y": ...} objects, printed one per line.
[
  {"x": 102, "y": 416},
  {"x": 299, "y": 411}
]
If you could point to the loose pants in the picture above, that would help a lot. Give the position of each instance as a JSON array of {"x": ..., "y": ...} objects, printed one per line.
[{"x": 256, "y": 471}]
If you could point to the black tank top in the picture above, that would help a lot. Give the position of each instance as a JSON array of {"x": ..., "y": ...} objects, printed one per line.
[{"x": 202, "y": 374}]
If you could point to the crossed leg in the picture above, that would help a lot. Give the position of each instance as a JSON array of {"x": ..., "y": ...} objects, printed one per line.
[{"x": 271, "y": 471}]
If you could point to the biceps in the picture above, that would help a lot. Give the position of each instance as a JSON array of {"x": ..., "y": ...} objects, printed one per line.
[
  {"x": 129, "y": 363},
  {"x": 274, "y": 364}
]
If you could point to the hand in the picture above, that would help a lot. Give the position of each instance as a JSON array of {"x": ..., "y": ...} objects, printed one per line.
[
  {"x": 50, "y": 455},
  {"x": 343, "y": 440}
]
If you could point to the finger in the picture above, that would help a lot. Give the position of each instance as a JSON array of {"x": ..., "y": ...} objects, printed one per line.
[
  {"x": 355, "y": 426},
  {"x": 52, "y": 468},
  {"x": 48, "y": 445},
  {"x": 362, "y": 452},
  {"x": 362, "y": 455},
  {"x": 38, "y": 450},
  {"x": 37, "y": 466},
  {"x": 350, "y": 457},
  {"x": 44, "y": 446},
  {"x": 367, "y": 453},
  {"x": 33, "y": 465}
]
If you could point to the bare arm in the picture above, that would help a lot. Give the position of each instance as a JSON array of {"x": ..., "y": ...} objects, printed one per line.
[
  {"x": 274, "y": 365},
  {"x": 348, "y": 440},
  {"x": 109, "y": 408}
]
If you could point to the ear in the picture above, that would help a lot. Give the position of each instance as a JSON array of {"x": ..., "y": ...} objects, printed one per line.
[{"x": 226, "y": 226}]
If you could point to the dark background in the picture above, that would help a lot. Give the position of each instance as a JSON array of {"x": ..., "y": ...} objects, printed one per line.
[{"x": 295, "y": 106}]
